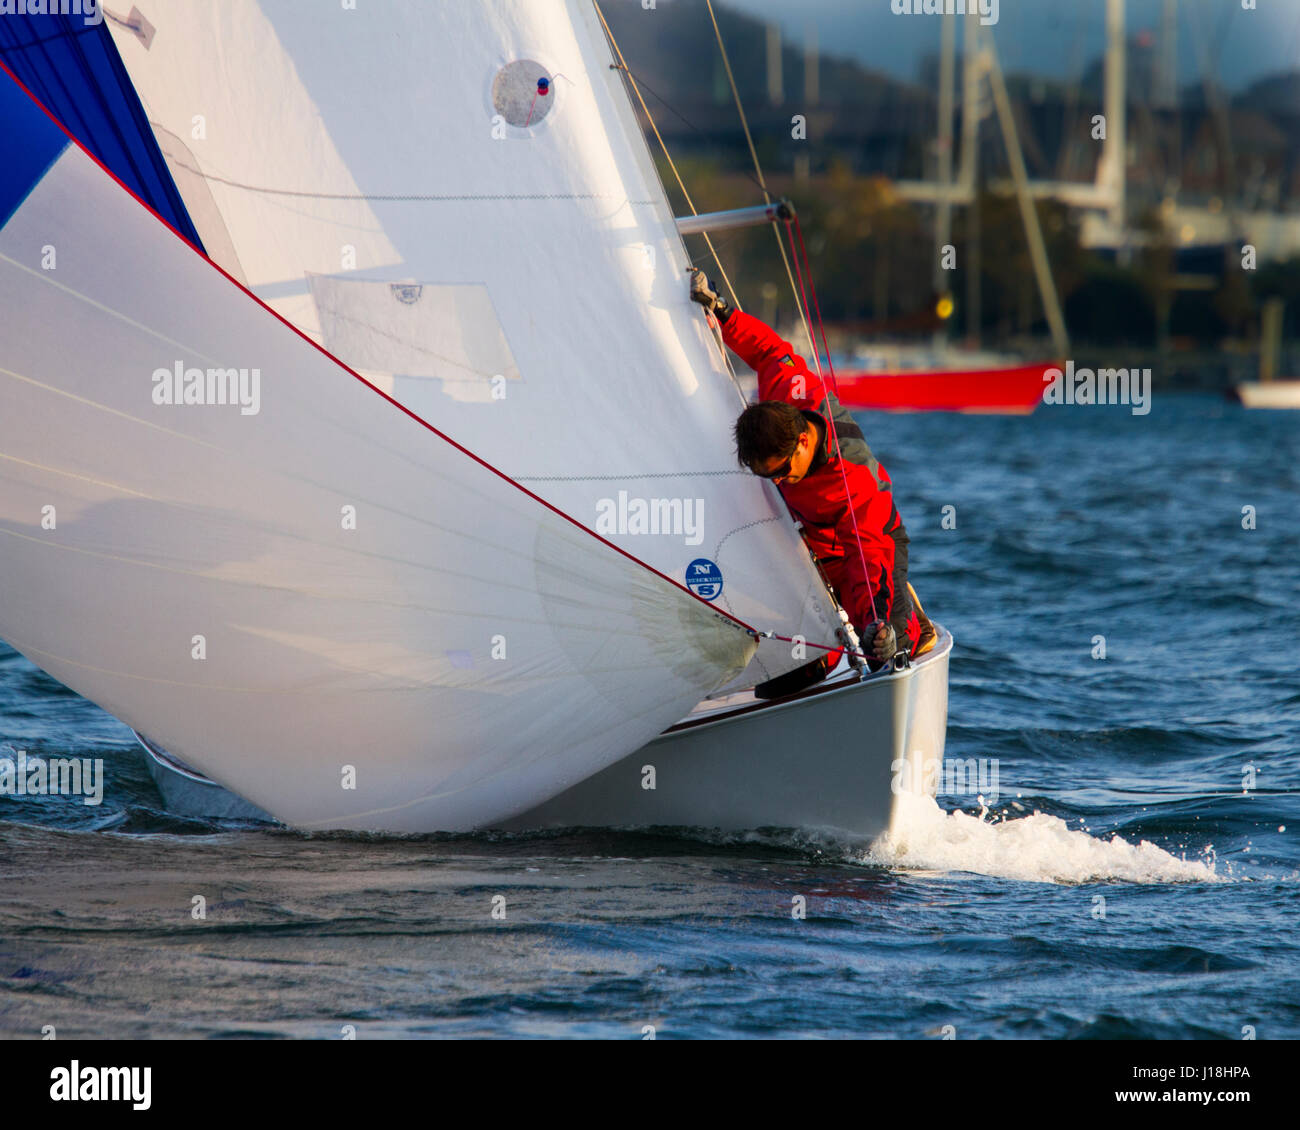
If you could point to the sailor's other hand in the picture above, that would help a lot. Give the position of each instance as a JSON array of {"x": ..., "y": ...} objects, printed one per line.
[
  {"x": 706, "y": 294},
  {"x": 884, "y": 643}
]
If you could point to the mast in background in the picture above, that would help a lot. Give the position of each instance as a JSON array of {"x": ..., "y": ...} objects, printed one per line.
[
  {"x": 1112, "y": 169},
  {"x": 811, "y": 65},
  {"x": 1166, "y": 87},
  {"x": 1028, "y": 213},
  {"x": 980, "y": 60},
  {"x": 972, "y": 74},
  {"x": 943, "y": 220},
  {"x": 775, "y": 70}
]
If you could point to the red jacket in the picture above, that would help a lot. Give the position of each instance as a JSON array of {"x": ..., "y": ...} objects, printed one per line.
[{"x": 818, "y": 500}]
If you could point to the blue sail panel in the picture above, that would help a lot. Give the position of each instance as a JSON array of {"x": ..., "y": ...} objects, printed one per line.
[
  {"x": 71, "y": 65},
  {"x": 31, "y": 144}
]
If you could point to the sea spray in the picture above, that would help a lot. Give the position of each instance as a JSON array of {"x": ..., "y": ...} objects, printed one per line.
[{"x": 1036, "y": 848}]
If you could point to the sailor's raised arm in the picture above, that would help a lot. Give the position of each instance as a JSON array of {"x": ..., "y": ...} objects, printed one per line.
[{"x": 758, "y": 345}]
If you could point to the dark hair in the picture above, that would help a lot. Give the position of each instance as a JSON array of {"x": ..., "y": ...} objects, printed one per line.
[{"x": 768, "y": 430}]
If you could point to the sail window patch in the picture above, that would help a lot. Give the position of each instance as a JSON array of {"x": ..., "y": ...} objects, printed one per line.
[
  {"x": 447, "y": 332},
  {"x": 523, "y": 92}
]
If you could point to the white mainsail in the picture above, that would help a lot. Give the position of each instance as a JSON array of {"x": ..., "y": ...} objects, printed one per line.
[{"x": 497, "y": 255}]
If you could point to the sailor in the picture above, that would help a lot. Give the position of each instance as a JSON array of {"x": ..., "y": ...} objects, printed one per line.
[{"x": 787, "y": 438}]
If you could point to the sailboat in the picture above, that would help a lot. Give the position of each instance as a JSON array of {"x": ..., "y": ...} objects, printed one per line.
[
  {"x": 901, "y": 378},
  {"x": 1270, "y": 391},
  {"x": 361, "y": 450},
  {"x": 941, "y": 377}
]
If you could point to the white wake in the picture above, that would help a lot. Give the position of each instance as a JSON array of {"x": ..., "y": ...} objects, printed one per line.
[{"x": 1036, "y": 848}]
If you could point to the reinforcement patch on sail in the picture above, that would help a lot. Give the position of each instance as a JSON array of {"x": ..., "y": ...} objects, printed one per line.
[{"x": 411, "y": 329}]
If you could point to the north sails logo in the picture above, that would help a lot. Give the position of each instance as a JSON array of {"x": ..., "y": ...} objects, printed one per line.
[
  {"x": 704, "y": 578},
  {"x": 407, "y": 293},
  {"x": 102, "y": 1084}
]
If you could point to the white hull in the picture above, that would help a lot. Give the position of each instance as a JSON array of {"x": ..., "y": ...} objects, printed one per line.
[
  {"x": 824, "y": 759},
  {"x": 1270, "y": 394}
]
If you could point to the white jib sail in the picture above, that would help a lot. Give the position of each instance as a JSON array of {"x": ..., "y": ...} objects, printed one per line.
[{"x": 455, "y": 199}]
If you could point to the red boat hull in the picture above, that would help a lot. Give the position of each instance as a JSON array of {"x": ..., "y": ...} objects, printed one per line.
[{"x": 1013, "y": 391}]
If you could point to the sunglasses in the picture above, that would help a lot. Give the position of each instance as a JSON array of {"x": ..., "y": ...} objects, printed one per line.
[{"x": 781, "y": 471}]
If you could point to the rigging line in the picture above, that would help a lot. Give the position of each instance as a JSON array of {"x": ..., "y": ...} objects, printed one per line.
[
  {"x": 794, "y": 289},
  {"x": 685, "y": 120},
  {"x": 860, "y": 654},
  {"x": 758, "y": 168},
  {"x": 817, "y": 308},
  {"x": 802, "y": 305},
  {"x": 844, "y": 474},
  {"x": 622, "y": 66},
  {"x": 727, "y": 618},
  {"x": 744, "y": 122},
  {"x": 767, "y": 199}
]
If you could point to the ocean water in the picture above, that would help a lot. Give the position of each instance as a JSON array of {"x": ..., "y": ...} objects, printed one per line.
[{"x": 1132, "y": 871}]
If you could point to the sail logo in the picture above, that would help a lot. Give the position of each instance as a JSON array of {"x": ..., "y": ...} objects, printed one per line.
[
  {"x": 704, "y": 579},
  {"x": 179, "y": 385},
  {"x": 987, "y": 10},
  {"x": 1103, "y": 386},
  {"x": 89, "y": 10},
  {"x": 674, "y": 517}
]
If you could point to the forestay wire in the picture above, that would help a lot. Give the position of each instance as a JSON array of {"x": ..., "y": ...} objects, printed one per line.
[
  {"x": 806, "y": 271},
  {"x": 794, "y": 274},
  {"x": 622, "y": 66}
]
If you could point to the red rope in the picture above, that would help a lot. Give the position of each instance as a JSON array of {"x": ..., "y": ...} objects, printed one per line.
[
  {"x": 821, "y": 327},
  {"x": 826, "y": 647},
  {"x": 830, "y": 416}
]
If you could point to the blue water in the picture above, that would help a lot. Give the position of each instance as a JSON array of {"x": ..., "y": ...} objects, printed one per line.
[{"x": 1025, "y": 917}]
